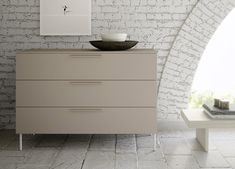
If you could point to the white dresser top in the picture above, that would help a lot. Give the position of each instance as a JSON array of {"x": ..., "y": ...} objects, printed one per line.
[{"x": 131, "y": 51}]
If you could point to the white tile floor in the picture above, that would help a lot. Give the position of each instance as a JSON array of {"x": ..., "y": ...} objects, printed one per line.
[{"x": 177, "y": 149}]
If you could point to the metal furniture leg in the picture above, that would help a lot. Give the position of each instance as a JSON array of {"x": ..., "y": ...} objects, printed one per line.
[
  {"x": 20, "y": 142},
  {"x": 155, "y": 142}
]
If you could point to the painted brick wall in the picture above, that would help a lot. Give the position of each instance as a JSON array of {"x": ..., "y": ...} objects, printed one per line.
[
  {"x": 185, "y": 53},
  {"x": 155, "y": 23}
]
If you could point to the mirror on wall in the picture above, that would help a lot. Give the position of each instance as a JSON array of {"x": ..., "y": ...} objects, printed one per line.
[{"x": 65, "y": 17}]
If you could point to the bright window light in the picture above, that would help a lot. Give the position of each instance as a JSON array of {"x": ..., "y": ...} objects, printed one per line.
[{"x": 216, "y": 71}]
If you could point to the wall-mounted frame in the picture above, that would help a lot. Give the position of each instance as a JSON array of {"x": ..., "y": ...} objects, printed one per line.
[{"x": 65, "y": 17}]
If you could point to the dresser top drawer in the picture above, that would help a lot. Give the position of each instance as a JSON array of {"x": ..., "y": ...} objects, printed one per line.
[{"x": 86, "y": 65}]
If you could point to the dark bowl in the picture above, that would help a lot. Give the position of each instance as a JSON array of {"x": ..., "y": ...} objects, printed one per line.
[{"x": 113, "y": 46}]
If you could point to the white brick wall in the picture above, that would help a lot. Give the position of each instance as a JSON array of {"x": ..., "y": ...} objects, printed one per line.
[
  {"x": 155, "y": 23},
  {"x": 185, "y": 54}
]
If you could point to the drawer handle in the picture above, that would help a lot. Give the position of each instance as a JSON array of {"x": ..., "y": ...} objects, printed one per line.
[
  {"x": 85, "y": 110},
  {"x": 85, "y": 82},
  {"x": 85, "y": 56}
]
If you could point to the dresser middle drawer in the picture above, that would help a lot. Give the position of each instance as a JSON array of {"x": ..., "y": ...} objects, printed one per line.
[{"x": 86, "y": 93}]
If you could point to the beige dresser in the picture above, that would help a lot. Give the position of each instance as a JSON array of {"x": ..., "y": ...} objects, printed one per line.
[{"x": 85, "y": 92}]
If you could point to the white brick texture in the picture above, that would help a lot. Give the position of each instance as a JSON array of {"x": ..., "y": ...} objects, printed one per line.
[{"x": 184, "y": 55}]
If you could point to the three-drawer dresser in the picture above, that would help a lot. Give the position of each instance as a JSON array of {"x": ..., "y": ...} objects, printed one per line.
[{"x": 85, "y": 92}]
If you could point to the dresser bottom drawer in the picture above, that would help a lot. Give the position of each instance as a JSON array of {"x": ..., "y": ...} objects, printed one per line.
[{"x": 85, "y": 120}]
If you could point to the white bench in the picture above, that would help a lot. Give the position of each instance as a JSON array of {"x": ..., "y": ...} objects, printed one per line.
[{"x": 196, "y": 118}]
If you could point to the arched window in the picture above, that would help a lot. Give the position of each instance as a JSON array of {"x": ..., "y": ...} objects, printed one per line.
[{"x": 215, "y": 76}]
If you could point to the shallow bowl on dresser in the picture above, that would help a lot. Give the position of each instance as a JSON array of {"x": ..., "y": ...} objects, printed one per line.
[{"x": 113, "y": 46}]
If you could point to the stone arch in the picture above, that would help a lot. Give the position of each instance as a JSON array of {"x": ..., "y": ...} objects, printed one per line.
[{"x": 185, "y": 53}]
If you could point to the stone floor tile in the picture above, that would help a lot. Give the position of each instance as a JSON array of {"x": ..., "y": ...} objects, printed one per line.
[
  {"x": 163, "y": 125},
  {"x": 4, "y": 143},
  {"x": 75, "y": 145},
  {"x": 222, "y": 134},
  {"x": 79, "y": 137},
  {"x": 8, "y": 133},
  {"x": 194, "y": 144},
  {"x": 77, "y": 142},
  {"x": 29, "y": 141},
  {"x": 148, "y": 154},
  {"x": 231, "y": 161},
  {"x": 52, "y": 140},
  {"x": 42, "y": 156},
  {"x": 182, "y": 162},
  {"x": 126, "y": 161},
  {"x": 173, "y": 146},
  {"x": 13, "y": 157},
  {"x": 126, "y": 143},
  {"x": 152, "y": 165},
  {"x": 103, "y": 143},
  {"x": 99, "y": 160},
  {"x": 145, "y": 141},
  {"x": 32, "y": 137},
  {"x": 69, "y": 159},
  {"x": 210, "y": 159},
  {"x": 14, "y": 153},
  {"x": 226, "y": 147},
  {"x": 216, "y": 168},
  {"x": 170, "y": 134},
  {"x": 7, "y": 166},
  {"x": 190, "y": 138},
  {"x": 6, "y": 137},
  {"x": 32, "y": 166},
  {"x": 27, "y": 144},
  {"x": 189, "y": 133},
  {"x": 71, "y": 152},
  {"x": 104, "y": 137}
]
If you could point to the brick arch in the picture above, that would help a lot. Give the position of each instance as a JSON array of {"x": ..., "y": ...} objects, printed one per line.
[{"x": 185, "y": 53}]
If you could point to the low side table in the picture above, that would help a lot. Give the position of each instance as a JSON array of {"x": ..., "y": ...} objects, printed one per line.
[{"x": 196, "y": 118}]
